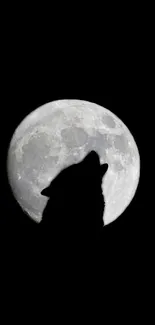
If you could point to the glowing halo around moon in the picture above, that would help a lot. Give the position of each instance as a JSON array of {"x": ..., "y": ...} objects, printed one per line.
[{"x": 61, "y": 133}]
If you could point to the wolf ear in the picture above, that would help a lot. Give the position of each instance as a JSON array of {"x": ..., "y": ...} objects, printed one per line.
[
  {"x": 91, "y": 157},
  {"x": 104, "y": 168}
]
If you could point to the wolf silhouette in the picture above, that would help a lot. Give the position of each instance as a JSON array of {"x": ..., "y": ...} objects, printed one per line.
[{"x": 75, "y": 207}]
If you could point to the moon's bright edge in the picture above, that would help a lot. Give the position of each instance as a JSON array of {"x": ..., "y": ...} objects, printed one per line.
[{"x": 61, "y": 133}]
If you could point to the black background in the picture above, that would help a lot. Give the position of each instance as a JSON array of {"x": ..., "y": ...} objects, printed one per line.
[
  {"x": 104, "y": 56},
  {"x": 35, "y": 73},
  {"x": 111, "y": 66}
]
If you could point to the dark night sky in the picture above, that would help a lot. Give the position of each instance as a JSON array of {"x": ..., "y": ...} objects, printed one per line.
[
  {"x": 107, "y": 62},
  {"x": 29, "y": 82}
]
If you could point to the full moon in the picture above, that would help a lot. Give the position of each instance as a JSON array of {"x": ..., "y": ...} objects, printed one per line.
[{"x": 59, "y": 134}]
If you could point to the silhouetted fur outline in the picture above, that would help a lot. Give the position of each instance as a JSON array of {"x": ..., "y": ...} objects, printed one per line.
[{"x": 74, "y": 212}]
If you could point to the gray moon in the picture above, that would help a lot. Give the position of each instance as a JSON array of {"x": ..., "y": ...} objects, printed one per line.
[{"x": 61, "y": 133}]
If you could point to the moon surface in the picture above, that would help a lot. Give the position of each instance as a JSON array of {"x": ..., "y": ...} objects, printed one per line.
[{"x": 61, "y": 133}]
